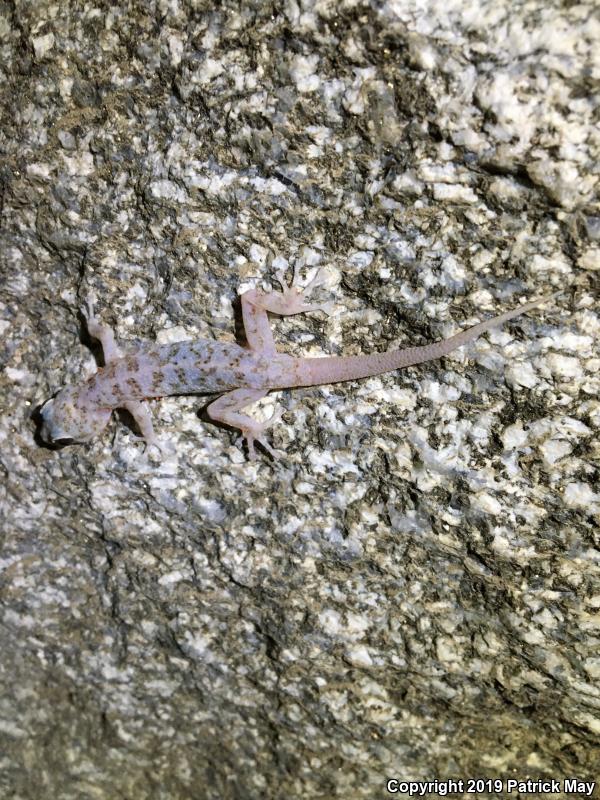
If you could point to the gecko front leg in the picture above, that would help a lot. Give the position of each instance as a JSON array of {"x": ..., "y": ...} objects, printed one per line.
[
  {"x": 143, "y": 419},
  {"x": 104, "y": 334},
  {"x": 227, "y": 409}
]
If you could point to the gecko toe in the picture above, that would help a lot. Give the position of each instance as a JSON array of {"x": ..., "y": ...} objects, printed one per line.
[{"x": 252, "y": 438}]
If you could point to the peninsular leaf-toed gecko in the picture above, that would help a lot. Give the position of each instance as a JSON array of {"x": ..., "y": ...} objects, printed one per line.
[{"x": 243, "y": 375}]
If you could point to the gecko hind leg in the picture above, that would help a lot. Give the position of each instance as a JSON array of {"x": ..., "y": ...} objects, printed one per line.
[
  {"x": 292, "y": 300},
  {"x": 228, "y": 408}
]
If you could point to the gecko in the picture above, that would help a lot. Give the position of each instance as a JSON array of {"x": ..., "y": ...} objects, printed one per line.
[{"x": 240, "y": 375}]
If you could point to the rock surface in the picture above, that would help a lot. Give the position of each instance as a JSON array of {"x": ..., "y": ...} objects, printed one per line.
[{"x": 413, "y": 591}]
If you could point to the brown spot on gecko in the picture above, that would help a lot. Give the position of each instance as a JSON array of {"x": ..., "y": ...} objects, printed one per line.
[
  {"x": 134, "y": 385},
  {"x": 132, "y": 363},
  {"x": 158, "y": 377}
]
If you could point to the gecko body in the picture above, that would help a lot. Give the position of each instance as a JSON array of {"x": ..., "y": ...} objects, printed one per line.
[{"x": 241, "y": 375}]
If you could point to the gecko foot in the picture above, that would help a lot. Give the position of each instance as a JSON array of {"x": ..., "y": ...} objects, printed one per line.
[
  {"x": 87, "y": 310},
  {"x": 251, "y": 439},
  {"x": 252, "y": 434},
  {"x": 156, "y": 449},
  {"x": 293, "y": 296}
]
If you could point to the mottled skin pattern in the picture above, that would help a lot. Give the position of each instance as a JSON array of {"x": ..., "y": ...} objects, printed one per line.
[{"x": 242, "y": 375}]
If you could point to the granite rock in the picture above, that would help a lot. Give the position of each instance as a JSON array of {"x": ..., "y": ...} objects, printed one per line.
[{"x": 413, "y": 590}]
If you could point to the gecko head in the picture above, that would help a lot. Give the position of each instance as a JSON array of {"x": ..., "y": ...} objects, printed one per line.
[{"x": 65, "y": 422}]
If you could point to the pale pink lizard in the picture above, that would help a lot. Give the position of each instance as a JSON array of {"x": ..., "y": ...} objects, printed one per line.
[{"x": 243, "y": 374}]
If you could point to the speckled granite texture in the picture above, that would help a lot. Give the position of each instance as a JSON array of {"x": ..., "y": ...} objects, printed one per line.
[{"x": 413, "y": 591}]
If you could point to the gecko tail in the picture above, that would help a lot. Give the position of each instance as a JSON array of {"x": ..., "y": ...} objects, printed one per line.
[{"x": 333, "y": 369}]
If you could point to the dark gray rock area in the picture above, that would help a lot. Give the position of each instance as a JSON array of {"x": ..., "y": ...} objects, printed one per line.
[{"x": 413, "y": 590}]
